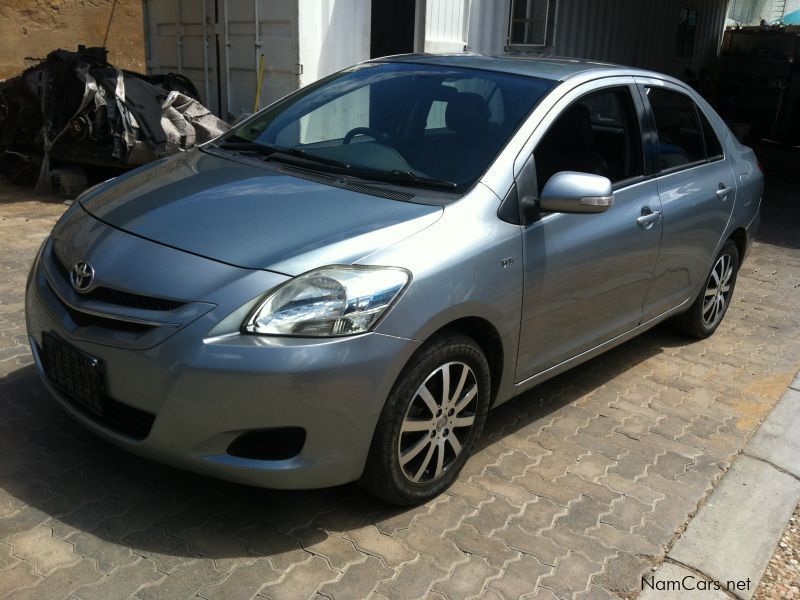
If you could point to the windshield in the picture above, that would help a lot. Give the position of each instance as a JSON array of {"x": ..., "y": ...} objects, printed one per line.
[{"x": 425, "y": 125}]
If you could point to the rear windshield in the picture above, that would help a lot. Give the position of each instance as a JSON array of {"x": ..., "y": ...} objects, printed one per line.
[{"x": 428, "y": 123}]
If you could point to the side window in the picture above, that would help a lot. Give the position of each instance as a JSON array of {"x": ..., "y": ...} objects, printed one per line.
[
  {"x": 597, "y": 134},
  {"x": 713, "y": 146},
  {"x": 680, "y": 137}
]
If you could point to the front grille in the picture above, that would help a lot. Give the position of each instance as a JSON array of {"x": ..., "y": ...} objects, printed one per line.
[
  {"x": 82, "y": 319},
  {"x": 363, "y": 188},
  {"x": 119, "y": 297},
  {"x": 81, "y": 380}
]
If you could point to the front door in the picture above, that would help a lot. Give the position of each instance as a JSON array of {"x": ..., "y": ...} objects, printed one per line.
[{"x": 587, "y": 275}]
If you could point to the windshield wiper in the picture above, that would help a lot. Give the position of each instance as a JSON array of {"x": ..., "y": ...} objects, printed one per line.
[
  {"x": 410, "y": 176},
  {"x": 392, "y": 176},
  {"x": 277, "y": 151}
]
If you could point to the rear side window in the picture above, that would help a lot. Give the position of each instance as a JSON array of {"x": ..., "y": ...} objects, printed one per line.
[
  {"x": 680, "y": 136},
  {"x": 713, "y": 146}
]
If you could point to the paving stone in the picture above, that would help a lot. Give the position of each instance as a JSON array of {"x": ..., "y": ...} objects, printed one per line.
[
  {"x": 301, "y": 581},
  {"x": 167, "y": 551},
  {"x": 539, "y": 515},
  {"x": 630, "y": 542},
  {"x": 520, "y": 578},
  {"x": 358, "y": 580},
  {"x": 587, "y": 545},
  {"x": 445, "y": 515},
  {"x": 583, "y": 513},
  {"x": 338, "y": 551},
  {"x": 184, "y": 582},
  {"x": 107, "y": 553},
  {"x": 470, "y": 541},
  {"x": 61, "y": 583},
  {"x": 413, "y": 579},
  {"x": 467, "y": 579},
  {"x": 571, "y": 575},
  {"x": 47, "y": 553},
  {"x": 544, "y": 549},
  {"x": 283, "y": 551},
  {"x": 634, "y": 489},
  {"x": 598, "y": 491},
  {"x": 18, "y": 575},
  {"x": 244, "y": 581},
  {"x": 122, "y": 582},
  {"x": 404, "y": 518},
  {"x": 513, "y": 494},
  {"x": 626, "y": 514},
  {"x": 622, "y": 574},
  {"x": 443, "y": 551},
  {"x": 391, "y": 551},
  {"x": 470, "y": 493},
  {"x": 492, "y": 515},
  {"x": 537, "y": 485}
]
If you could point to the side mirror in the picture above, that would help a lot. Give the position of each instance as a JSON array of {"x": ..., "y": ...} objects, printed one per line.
[{"x": 572, "y": 192}]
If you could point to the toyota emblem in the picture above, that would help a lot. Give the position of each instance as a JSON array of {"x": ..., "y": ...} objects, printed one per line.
[{"x": 81, "y": 276}]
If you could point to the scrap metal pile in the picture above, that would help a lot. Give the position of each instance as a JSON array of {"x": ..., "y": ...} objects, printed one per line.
[{"x": 74, "y": 108}]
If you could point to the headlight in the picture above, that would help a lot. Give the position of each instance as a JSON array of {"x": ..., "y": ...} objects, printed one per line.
[{"x": 331, "y": 301}]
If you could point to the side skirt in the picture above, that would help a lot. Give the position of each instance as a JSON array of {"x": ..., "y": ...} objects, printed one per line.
[{"x": 592, "y": 352}]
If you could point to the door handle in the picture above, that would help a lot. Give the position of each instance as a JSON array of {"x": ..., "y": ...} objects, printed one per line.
[
  {"x": 723, "y": 191},
  {"x": 648, "y": 218}
]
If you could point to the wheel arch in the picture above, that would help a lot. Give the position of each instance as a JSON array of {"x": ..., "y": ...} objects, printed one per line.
[
  {"x": 739, "y": 237},
  {"x": 488, "y": 338}
]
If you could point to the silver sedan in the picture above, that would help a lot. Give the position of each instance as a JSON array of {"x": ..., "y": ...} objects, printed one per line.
[{"x": 343, "y": 285}]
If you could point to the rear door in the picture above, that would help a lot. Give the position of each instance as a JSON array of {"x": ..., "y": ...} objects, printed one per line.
[{"x": 697, "y": 191}]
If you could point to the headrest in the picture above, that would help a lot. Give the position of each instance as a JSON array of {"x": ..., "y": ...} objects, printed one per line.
[{"x": 467, "y": 113}]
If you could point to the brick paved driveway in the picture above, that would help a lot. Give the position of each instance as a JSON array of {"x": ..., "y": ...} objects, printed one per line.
[{"x": 576, "y": 489}]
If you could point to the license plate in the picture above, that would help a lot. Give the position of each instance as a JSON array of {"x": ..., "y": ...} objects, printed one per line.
[{"x": 76, "y": 374}]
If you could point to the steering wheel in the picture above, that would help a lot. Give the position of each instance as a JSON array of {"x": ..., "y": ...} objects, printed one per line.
[{"x": 373, "y": 133}]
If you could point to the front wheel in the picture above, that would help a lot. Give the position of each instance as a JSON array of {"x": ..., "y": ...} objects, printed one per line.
[
  {"x": 705, "y": 314},
  {"x": 430, "y": 421}
]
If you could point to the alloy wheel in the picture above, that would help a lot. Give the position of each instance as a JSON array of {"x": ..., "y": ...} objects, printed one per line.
[
  {"x": 438, "y": 422},
  {"x": 718, "y": 290}
]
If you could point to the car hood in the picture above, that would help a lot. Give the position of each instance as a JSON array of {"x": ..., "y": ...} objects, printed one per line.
[{"x": 246, "y": 215}]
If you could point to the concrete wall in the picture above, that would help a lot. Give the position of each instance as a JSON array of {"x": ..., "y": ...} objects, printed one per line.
[
  {"x": 29, "y": 29},
  {"x": 334, "y": 34}
]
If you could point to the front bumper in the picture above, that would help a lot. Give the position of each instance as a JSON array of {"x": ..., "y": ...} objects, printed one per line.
[{"x": 206, "y": 391}]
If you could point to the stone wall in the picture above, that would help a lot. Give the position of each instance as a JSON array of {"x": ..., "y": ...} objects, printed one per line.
[{"x": 29, "y": 29}]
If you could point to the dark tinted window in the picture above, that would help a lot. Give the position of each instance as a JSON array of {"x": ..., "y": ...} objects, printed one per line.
[
  {"x": 433, "y": 121},
  {"x": 598, "y": 134},
  {"x": 713, "y": 147},
  {"x": 680, "y": 140}
]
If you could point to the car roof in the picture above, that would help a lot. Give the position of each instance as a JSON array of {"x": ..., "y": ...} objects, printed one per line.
[{"x": 555, "y": 68}]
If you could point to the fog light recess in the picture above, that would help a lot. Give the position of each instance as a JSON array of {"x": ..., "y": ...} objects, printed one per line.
[{"x": 279, "y": 443}]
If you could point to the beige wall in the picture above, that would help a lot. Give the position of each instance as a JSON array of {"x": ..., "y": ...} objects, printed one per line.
[{"x": 29, "y": 29}]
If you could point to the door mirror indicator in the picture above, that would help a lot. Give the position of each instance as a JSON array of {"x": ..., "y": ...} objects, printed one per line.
[{"x": 573, "y": 192}]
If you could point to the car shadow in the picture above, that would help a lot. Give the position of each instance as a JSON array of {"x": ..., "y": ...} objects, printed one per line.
[{"x": 85, "y": 489}]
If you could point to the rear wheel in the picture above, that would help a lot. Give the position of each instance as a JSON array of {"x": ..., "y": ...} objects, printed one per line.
[
  {"x": 430, "y": 421},
  {"x": 710, "y": 306}
]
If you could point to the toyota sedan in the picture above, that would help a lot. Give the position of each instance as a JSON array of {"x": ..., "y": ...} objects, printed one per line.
[{"x": 341, "y": 287}]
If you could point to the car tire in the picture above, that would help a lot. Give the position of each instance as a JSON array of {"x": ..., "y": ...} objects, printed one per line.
[
  {"x": 711, "y": 304},
  {"x": 422, "y": 440}
]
